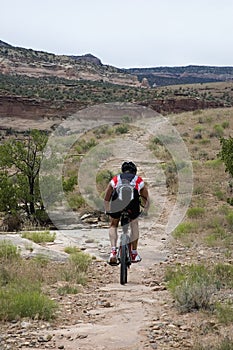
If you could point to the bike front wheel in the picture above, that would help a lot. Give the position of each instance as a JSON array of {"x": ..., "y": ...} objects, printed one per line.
[{"x": 123, "y": 267}]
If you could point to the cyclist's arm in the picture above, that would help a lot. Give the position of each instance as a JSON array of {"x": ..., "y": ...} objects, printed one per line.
[
  {"x": 145, "y": 198},
  {"x": 107, "y": 197}
]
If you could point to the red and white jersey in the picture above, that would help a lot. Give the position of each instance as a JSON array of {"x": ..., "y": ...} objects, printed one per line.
[{"x": 137, "y": 182}]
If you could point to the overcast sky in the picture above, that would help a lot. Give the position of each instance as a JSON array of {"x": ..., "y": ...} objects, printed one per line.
[{"x": 124, "y": 33}]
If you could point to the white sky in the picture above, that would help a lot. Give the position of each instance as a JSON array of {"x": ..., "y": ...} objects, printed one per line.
[{"x": 124, "y": 33}]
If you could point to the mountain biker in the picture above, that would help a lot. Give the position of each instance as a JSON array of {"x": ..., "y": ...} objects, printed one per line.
[{"x": 115, "y": 206}]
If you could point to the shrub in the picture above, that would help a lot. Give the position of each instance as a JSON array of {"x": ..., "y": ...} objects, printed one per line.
[
  {"x": 194, "y": 295},
  {"x": 71, "y": 250},
  {"x": 219, "y": 194},
  {"x": 25, "y": 303},
  {"x": 41, "y": 260},
  {"x": 224, "y": 275},
  {"x": 195, "y": 212},
  {"x": 229, "y": 218},
  {"x": 224, "y": 312},
  {"x": 76, "y": 268},
  {"x": 154, "y": 142},
  {"x": 122, "y": 129},
  {"x": 219, "y": 235},
  {"x": 39, "y": 236},
  {"x": 198, "y": 190},
  {"x": 67, "y": 289},
  {"x": 102, "y": 179},
  {"x": 215, "y": 163},
  {"x": 204, "y": 141},
  {"x": 183, "y": 229},
  {"x": 80, "y": 261},
  {"x": 68, "y": 184},
  {"x": 42, "y": 217},
  {"x": 103, "y": 129},
  {"x": 225, "y": 125},
  {"x": 75, "y": 201},
  {"x": 218, "y": 131},
  {"x": 198, "y": 128},
  {"x": 8, "y": 251},
  {"x": 12, "y": 222},
  {"x": 82, "y": 146},
  {"x": 191, "y": 286},
  {"x": 225, "y": 344}
]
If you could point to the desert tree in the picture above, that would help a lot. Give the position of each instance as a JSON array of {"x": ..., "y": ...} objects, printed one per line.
[{"x": 21, "y": 160}]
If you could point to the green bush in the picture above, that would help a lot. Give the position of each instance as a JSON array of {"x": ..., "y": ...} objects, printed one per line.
[
  {"x": 218, "y": 235},
  {"x": 183, "y": 229},
  {"x": 191, "y": 286},
  {"x": 71, "y": 250},
  {"x": 224, "y": 275},
  {"x": 195, "y": 212},
  {"x": 67, "y": 289},
  {"x": 8, "y": 251},
  {"x": 102, "y": 179},
  {"x": 25, "y": 303},
  {"x": 215, "y": 163},
  {"x": 224, "y": 312},
  {"x": 69, "y": 184},
  {"x": 229, "y": 218},
  {"x": 122, "y": 129},
  {"x": 225, "y": 344},
  {"x": 80, "y": 261},
  {"x": 41, "y": 260},
  {"x": 198, "y": 190},
  {"x": 77, "y": 267},
  {"x": 75, "y": 201},
  {"x": 42, "y": 217},
  {"x": 225, "y": 125},
  {"x": 194, "y": 295},
  {"x": 39, "y": 236},
  {"x": 82, "y": 146},
  {"x": 218, "y": 131}
]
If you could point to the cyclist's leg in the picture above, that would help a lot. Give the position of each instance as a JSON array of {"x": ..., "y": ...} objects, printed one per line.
[
  {"x": 113, "y": 231},
  {"x": 135, "y": 257},
  {"x": 134, "y": 233}
]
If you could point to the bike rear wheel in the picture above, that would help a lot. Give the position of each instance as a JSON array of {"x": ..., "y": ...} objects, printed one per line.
[{"x": 123, "y": 267}]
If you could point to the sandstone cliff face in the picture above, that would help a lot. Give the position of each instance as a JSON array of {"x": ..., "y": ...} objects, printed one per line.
[
  {"x": 33, "y": 109},
  {"x": 164, "y": 76},
  {"x": 19, "y": 108},
  {"x": 172, "y": 105}
]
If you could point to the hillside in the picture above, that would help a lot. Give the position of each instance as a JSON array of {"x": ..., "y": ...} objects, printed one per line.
[
  {"x": 21, "y": 61},
  {"x": 36, "y": 85},
  {"x": 162, "y": 76},
  {"x": 32, "y": 63}
]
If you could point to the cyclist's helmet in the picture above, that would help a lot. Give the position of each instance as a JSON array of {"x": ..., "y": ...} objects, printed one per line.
[{"x": 130, "y": 167}]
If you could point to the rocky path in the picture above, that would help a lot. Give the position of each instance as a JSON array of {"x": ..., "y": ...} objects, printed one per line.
[{"x": 106, "y": 315}]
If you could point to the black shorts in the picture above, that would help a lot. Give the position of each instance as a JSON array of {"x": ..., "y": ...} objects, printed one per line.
[{"x": 133, "y": 209}]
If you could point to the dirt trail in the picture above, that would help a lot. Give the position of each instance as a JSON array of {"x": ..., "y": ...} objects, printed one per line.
[
  {"x": 132, "y": 307},
  {"x": 119, "y": 315}
]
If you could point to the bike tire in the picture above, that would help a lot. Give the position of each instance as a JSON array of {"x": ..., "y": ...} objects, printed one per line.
[{"x": 123, "y": 267}]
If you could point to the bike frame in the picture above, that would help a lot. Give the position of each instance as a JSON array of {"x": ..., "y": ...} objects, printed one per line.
[{"x": 124, "y": 247}]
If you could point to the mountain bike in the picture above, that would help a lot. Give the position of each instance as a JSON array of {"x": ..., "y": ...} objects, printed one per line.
[{"x": 124, "y": 247}]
